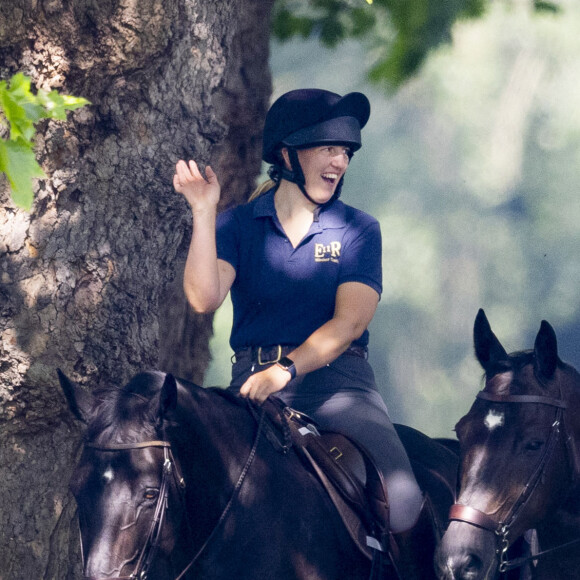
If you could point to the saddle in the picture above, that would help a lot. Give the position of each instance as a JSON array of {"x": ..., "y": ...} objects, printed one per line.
[
  {"x": 346, "y": 470},
  {"x": 355, "y": 484}
]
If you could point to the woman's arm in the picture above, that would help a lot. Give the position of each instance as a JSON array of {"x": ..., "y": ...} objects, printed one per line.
[
  {"x": 356, "y": 304},
  {"x": 206, "y": 279}
]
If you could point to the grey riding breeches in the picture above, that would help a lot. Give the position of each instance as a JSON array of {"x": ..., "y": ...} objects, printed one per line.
[{"x": 343, "y": 397}]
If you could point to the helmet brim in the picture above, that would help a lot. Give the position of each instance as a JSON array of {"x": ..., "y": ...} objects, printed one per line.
[{"x": 339, "y": 130}]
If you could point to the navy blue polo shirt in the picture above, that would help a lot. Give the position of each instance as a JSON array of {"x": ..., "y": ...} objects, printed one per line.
[{"x": 281, "y": 294}]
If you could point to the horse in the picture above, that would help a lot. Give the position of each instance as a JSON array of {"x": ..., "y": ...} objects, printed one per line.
[
  {"x": 176, "y": 481},
  {"x": 519, "y": 466}
]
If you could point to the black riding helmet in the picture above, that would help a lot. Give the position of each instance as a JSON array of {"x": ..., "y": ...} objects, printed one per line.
[{"x": 307, "y": 118}]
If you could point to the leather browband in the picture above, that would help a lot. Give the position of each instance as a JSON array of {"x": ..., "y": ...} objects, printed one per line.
[
  {"x": 122, "y": 446},
  {"x": 522, "y": 399}
]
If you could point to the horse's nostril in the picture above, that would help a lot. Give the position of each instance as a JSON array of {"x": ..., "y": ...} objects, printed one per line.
[
  {"x": 462, "y": 567},
  {"x": 470, "y": 567}
]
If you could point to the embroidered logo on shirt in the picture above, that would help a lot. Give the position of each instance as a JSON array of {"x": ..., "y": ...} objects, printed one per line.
[{"x": 327, "y": 253}]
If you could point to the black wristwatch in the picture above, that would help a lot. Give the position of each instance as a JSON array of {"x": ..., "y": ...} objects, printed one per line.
[{"x": 288, "y": 365}]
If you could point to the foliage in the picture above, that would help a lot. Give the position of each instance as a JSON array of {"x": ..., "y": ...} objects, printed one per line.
[
  {"x": 21, "y": 110},
  {"x": 399, "y": 33}
]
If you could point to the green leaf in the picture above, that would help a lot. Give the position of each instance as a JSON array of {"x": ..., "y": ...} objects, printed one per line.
[
  {"x": 20, "y": 107},
  {"x": 18, "y": 162},
  {"x": 71, "y": 103},
  {"x": 22, "y": 110},
  {"x": 56, "y": 105}
]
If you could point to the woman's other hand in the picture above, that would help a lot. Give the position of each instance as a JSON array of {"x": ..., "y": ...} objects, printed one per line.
[
  {"x": 200, "y": 193},
  {"x": 259, "y": 386}
]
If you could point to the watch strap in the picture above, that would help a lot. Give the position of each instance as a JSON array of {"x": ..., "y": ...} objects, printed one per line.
[{"x": 288, "y": 365}]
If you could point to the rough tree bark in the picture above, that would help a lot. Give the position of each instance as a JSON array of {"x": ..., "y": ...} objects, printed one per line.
[{"x": 86, "y": 278}]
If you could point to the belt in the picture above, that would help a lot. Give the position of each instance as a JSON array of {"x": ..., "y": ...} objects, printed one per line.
[{"x": 264, "y": 355}]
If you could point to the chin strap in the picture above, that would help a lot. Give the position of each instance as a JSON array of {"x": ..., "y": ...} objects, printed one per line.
[{"x": 296, "y": 176}]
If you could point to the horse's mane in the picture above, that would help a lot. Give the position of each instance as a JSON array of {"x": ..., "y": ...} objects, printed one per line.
[
  {"x": 227, "y": 395},
  {"x": 128, "y": 414}
]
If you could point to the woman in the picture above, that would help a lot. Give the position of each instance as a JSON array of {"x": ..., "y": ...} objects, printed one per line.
[{"x": 304, "y": 271}]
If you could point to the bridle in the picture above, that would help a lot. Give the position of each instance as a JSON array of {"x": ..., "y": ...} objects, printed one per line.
[
  {"x": 170, "y": 469},
  {"x": 501, "y": 529}
]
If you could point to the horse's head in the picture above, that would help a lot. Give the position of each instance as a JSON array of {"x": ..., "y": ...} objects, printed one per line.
[
  {"x": 126, "y": 477},
  {"x": 516, "y": 459}
]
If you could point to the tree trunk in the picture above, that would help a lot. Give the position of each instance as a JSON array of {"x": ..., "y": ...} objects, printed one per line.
[{"x": 86, "y": 278}]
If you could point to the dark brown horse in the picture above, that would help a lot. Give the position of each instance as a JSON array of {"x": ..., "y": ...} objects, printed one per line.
[
  {"x": 519, "y": 465},
  {"x": 178, "y": 481}
]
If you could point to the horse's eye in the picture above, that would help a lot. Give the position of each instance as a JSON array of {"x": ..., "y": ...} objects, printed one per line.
[
  {"x": 534, "y": 445},
  {"x": 150, "y": 494}
]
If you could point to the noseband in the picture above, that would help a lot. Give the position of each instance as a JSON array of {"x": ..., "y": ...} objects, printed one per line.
[
  {"x": 475, "y": 517},
  {"x": 151, "y": 545}
]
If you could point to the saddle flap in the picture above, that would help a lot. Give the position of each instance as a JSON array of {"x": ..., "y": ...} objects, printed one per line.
[
  {"x": 342, "y": 462},
  {"x": 350, "y": 476}
]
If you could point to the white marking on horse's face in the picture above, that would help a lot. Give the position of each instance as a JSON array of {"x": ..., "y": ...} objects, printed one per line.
[
  {"x": 494, "y": 419},
  {"x": 109, "y": 474}
]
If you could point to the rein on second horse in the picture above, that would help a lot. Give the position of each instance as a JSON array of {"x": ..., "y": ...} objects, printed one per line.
[{"x": 475, "y": 517}]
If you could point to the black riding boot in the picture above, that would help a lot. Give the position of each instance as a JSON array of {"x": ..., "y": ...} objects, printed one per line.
[{"x": 412, "y": 550}]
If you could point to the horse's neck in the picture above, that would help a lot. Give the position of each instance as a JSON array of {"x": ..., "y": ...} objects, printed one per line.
[
  {"x": 213, "y": 427},
  {"x": 563, "y": 525}
]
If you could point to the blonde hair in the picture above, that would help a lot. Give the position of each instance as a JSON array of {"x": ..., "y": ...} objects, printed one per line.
[{"x": 262, "y": 188}]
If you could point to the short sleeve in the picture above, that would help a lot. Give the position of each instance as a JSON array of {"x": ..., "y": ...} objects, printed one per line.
[
  {"x": 228, "y": 238},
  {"x": 362, "y": 257}
]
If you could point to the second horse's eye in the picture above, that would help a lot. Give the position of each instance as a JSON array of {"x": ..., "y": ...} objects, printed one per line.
[
  {"x": 534, "y": 445},
  {"x": 150, "y": 493}
]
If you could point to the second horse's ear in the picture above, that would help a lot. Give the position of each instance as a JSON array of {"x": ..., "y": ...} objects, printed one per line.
[
  {"x": 546, "y": 350},
  {"x": 167, "y": 396},
  {"x": 488, "y": 348},
  {"x": 80, "y": 402}
]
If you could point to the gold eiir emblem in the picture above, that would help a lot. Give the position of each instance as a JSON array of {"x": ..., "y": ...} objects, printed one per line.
[{"x": 327, "y": 252}]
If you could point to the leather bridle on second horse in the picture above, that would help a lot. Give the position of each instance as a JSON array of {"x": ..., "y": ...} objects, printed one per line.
[{"x": 501, "y": 529}]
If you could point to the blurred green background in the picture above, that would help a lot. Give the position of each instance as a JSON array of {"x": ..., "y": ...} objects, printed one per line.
[{"x": 472, "y": 168}]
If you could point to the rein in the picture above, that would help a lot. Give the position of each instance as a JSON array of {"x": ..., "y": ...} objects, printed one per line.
[
  {"x": 475, "y": 517},
  {"x": 235, "y": 493},
  {"x": 148, "y": 552}
]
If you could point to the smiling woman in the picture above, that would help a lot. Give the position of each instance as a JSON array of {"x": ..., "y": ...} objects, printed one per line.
[{"x": 304, "y": 271}]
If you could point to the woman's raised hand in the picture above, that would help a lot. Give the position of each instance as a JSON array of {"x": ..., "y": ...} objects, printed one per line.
[{"x": 201, "y": 193}]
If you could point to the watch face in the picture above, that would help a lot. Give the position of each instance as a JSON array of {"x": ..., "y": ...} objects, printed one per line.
[{"x": 285, "y": 362}]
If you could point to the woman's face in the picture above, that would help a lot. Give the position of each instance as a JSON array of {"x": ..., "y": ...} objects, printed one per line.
[{"x": 323, "y": 168}]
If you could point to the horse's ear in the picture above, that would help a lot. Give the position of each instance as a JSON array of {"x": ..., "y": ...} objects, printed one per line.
[
  {"x": 80, "y": 402},
  {"x": 488, "y": 348},
  {"x": 167, "y": 396},
  {"x": 546, "y": 350}
]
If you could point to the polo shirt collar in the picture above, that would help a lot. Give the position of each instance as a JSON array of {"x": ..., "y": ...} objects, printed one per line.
[{"x": 330, "y": 216}]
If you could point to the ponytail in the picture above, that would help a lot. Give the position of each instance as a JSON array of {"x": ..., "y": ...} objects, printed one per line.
[
  {"x": 262, "y": 188},
  {"x": 273, "y": 182}
]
